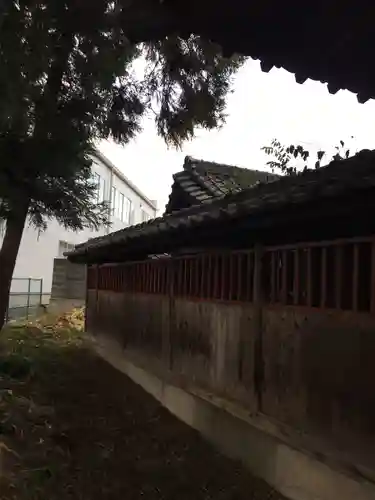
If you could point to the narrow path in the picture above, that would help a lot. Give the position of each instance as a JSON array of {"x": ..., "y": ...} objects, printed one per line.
[{"x": 85, "y": 431}]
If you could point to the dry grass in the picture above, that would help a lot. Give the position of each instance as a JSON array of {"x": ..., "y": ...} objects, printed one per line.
[{"x": 72, "y": 427}]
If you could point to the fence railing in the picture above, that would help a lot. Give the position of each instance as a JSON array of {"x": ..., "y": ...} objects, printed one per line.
[
  {"x": 338, "y": 274},
  {"x": 25, "y": 298}
]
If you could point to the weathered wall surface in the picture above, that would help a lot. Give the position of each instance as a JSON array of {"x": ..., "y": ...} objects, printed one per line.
[
  {"x": 318, "y": 367},
  {"x": 204, "y": 343},
  {"x": 320, "y": 371},
  {"x": 137, "y": 322},
  {"x": 213, "y": 346}
]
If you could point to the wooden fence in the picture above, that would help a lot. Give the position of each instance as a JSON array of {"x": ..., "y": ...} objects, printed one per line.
[{"x": 336, "y": 274}]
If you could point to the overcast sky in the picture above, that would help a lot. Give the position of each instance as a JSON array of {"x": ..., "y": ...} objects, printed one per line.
[{"x": 261, "y": 107}]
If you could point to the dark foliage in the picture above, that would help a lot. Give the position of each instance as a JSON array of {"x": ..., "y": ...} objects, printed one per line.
[{"x": 294, "y": 159}]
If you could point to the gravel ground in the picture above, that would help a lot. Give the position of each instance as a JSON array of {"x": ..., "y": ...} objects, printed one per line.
[{"x": 72, "y": 427}]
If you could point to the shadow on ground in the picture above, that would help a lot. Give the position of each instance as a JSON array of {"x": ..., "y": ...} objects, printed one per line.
[{"x": 72, "y": 427}]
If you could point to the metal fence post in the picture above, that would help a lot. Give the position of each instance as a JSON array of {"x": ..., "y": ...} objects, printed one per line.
[{"x": 28, "y": 299}]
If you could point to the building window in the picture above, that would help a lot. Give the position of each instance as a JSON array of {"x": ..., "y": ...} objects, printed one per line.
[
  {"x": 100, "y": 188},
  {"x": 64, "y": 246},
  {"x": 121, "y": 206},
  {"x": 127, "y": 207},
  {"x": 113, "y": 200}
]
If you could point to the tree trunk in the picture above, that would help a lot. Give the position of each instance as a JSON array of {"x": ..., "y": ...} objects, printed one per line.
[{"x": 8, "y": 256}]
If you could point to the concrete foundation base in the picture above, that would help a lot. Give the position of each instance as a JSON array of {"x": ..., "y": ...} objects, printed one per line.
[{"x": 290, "y": 471}]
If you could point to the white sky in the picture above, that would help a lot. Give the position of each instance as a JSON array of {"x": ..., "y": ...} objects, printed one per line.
[{"x": 261, "y": 107}]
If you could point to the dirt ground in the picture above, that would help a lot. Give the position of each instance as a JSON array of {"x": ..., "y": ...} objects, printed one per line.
[{"x": 72, "y": 427}]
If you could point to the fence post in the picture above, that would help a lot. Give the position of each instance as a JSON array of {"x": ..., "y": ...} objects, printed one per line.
[
  {"x": 172, "y": 270},
  {"x": 28, "y": 299},
  {"x": 94, "y": 312},
  {"x": 41, "y": 293},
  {"x": 258, "y": 341}
]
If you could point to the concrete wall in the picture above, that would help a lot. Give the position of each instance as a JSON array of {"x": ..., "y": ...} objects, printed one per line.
[
  {"x": 68, "y": 282},
  {"x": 315, "y": 386}
]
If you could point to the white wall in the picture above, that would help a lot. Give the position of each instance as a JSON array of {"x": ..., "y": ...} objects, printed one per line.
[{"x": 38, "y": 249}]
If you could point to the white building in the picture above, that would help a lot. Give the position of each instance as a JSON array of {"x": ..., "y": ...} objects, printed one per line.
[{"x": 128, "y": 205}]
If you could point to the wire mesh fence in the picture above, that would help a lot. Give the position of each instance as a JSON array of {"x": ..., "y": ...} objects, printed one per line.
[{"x": 25, "y": 298}]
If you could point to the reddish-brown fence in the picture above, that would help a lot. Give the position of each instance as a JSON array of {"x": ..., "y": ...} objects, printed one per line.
[{"x": 333, "y": 274}]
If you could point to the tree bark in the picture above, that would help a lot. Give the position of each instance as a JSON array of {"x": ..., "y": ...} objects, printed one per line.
[{"x": 8, "y": 256}]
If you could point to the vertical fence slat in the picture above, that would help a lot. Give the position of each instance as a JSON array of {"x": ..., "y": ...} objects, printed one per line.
[
  {"x": 185, "y": 280},
  {"x": 191, "y": 275},
  {"x": 273, "y": 277},
  {"x": 284, "y": 277},
  {"x": 223, "y": 280},
  {"x": 137, "y": 276},
  {"x": 338, "y": 275},
  {"x": 148, "y": 277},
  {"x": 323, "y": 293},
  {"x": 231, "y": 294},
  {"x": 141, "y": 277},
  {"x": 158, "y": 278},
  {"x": 179, "y": 267},
  {"x": 215, "y": 264},
  {"x": 258, "y": 353},
  {"x": 239, "y": 276},
  {"x": 296, "y": 280},
  {"x": 210, "y": 280},
  {"x": 372, "y": 298},
  {"x": 355, "y": 276},
  {"x": 197, "y": 287},
  {"x": 309, "y": 277},
  {"x": 155, "y": 275},
  {"x": 249, "y": 277},
  {"x": 203, "y": 275}
]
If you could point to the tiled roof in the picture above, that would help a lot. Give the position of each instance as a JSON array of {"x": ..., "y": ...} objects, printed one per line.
[
  {"x": 330, "y": 41},
  {"x": 338, "y": 178},
  {"x": 203, "y": 180}
]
